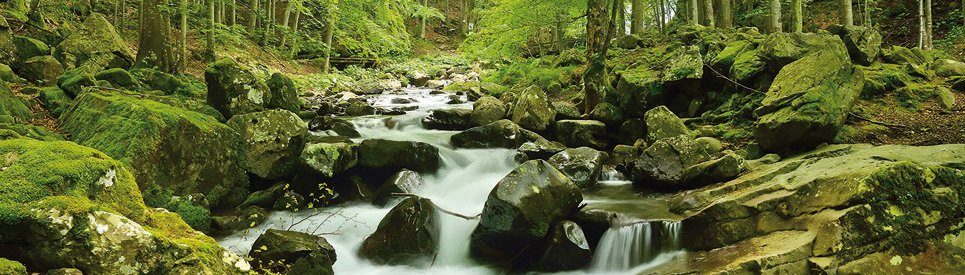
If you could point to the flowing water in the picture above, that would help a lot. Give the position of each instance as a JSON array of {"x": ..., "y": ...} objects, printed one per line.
[{"x": 462, "y": 185}]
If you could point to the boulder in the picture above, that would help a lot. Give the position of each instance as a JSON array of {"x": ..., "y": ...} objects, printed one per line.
[
  {"x": 682, "y": 163},
  {"x": 582, "y": 165},
  {"x": 42, "y": 69},
  {"x": 685, "y": 65},
  {"x": 73, "y": 82},
  {"x": 392, "y": 155},
  {"x": 632, "y": 130},
  {"x": 94, "y": 46},
  {"x": 13, "y": 109},
  {"x": 863, "y": 43},
  {"x": 780, "y": 49},
  {"x": 284, "y": 94},
  {"x": 901, "y": 56},
  {"x": 120, "y": 78},
  {"x": 234, "y": 90},
  {"x": 726, "y": 57},
  {"x": 884, "y": 78},
  {"x": 499, "y": 134},
  {"x": 336, "y": 125},
  {"x": 607, "y": 113},
  {"x": 28, "y": 47},
  {"x": 12, "y": 267},
  {"x": 748, "y": 65},
  {"x": 7, "y": 75},
  {"x": 949, "y": 68},
  {"x": 576, "y": 133},
  {"x": 15, "y": 131},
  {"x": 566, "y": 248},
  {"x": 808, "y": 102},
  {"x": 541, "y": 149},
  {"x": 448, "y": 119},
  {"x": 95, "y": 221},
  {"x": 630, "y": 41},
  {"x": 407, "y": 235},
  {"x": 566, "y": 110},
  {"x": 172, "y": 151},
  {"x": 64, "y": 271},
  {"x": 405, "y": 181},
  {"x": 637, "y": 89},
  {"x": 520, "y": 211},
  {"x": 8, "y": 50},
  {"x": 532, "y": 110},
  {"x": 246, "y": 218},
  {"x": 275, "y": 249},
  {"x": 272, "y": 141},
  {"x": 157, "y": 80},
  {"x": 329, "y": 159},
  {"x": 359, "y": 107},
  {"x": 662, "y": 123},
  {"x": 487, "y": 110},
  {"x": 265, "y": 198}
]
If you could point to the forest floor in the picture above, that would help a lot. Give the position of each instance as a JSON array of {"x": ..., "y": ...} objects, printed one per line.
[{"x": 929, "y": 125}]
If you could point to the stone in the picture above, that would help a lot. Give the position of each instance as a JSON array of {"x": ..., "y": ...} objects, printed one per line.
[
  {"x": 901, "y": 56},
  {"x": 157, "y": 80},
  {"x": 234, "y": 90},
  {"x": 748, "y": 65},
  {"x": 532, "y": 110},
  {"x": 487, "y": 110},
  {"x": 682, "y": 163},
  {"x": 685, "y": 64},
  {"x": 520, "y": 211},
  {"x": 94, "y": 46},
  {"x": 884, "y": 78},
  {"x": 42, "y": 69},
  {"x": 781, "y": 49},
  {"x": 404, "y": 182},
  {"x": 566, "y": 110},
  {"x": 359, "y": 107},
  {"x": 12, "y": 267},
  {"x": 335, "y": 125},
  {"x": 949, "y": 68},
  {"x": 28, "y": 47},
  {"x": 407, "y": 235},
  {"x": 7, "y": 75},
  {"x": 582, "y": 165},
  {"x": 629, "y": 41},
  {"x": 566, "y": 248},
  {"x": 631, "y": 130},
  {"x": 499, "y": 134},
  {"x": 662, "y": 123},
  {"x": 541, "y": 149},
  {"x": 275, "y": 249},
  {"x": 172, "y": 151},
  {"x": 13, "y": 109},
  {"x": 283, "y": 93},
  {"x": 272, "y": 141},
  {"x": 73, "y": 82},
  {"x": 863, "y": 43},
  {"x": 329, "y": 159},
  {"x": 448, "y": 119},
  {"x": 726, "y": 57},
  {"x": 246, "y": 218},
  {"x": 577, "y": 133},
  {"x": 607, "y": 113},
  {"x": 64, "y": 271},
  {"x": 265, "y": 198},
  {"x": 15, "y": 131},
  {"x": 435, "y": 84},
  {"x": 119, "y": 77},
  {"x": 392, "y": 155},
  {"x": 808, "y": 102}
]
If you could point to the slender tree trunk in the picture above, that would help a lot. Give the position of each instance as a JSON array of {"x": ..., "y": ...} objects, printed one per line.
[
  {"x": 798, "y": 14},
  {"x": 847, "y": 13},
  {"x": 210, "y": 35},
  {"x": 693, "y": 12},
  {"x": 267, "y": 30},
  {"x": 558, "y": 33},
  {"x": 636, "y": 17},
  {"x": 284, "y": 22},
  {"x": 621, "y": 23},
  {"x": 329, "y": 35},
  {"x": 776, "y": 16},
  {"x": 156, "y": 49},
  {"x": 929, "y": 26},
  {"x": 184, "y": 35},
  {"x": 662, "y": 15},
  {"x": 709, "y": 13},
  {"x": 922, "y": 30},
  {"x": 726, "y": 14},
  {"x": 253, "y": 17},
  {"x": 234, "y": 12},
  {"x": 295, "y": 40},
  {"x": 422, "y": 24}
]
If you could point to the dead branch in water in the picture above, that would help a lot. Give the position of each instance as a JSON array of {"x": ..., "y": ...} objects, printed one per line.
[{"x": 443, "y": 210}]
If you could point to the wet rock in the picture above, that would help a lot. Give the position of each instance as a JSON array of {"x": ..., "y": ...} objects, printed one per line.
[
  {"x": 582, "y": 165},
  {"x": 329, "y": 159},
  {"x": 359, "y": 107},
  {"x": 339, "y": 126},
  {"x": 272, "y": 141},
  {"x": 808, "y": 102},
  {"x": 42, "y": 69},
  {"x": 566, "y": 248},
  {"x": 487, "y": 110},
  {"x": 863, "y": 43},
  {"x": 448, "y": 119},
  {"x": 682, "y": 162},
  {"x": 541, "y": 149},
  {"x": 407, "y": 235},
  {"x": 499, "y": 134},
  {"x": 532, "y": 110},
  {"x": 13, "y": 109},
  {"x": 435, "y": 84},
  {"x": 594, "y": 223},
  {"x": 248, "y": 217},
  {"x": 405, "y": 181},
  {"x": 283, "y": 93},
  {"x": 171, "y": 150},
  {"x": 265, "y": 198},
  {"x": 662, "y": 123},
  {"x": 576, "y": 133},
  {"x": 275, "y": 249},
  {"x": 392, "y": 155},
  {"x": 455, "y": 99},
  {"x": 120, "y": 78},
  {"x": 234, "y": 90},
  {"x": 95, "y": 46},
  {"x": 520, "y": 211}
]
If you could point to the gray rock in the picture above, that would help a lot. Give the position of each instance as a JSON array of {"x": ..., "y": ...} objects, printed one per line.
[
  {"x": 393, "y": 155},
  {"x": 273, "y": 141},
  {"x": 582, "y": 165},
  {"x": 576, "y": 133},
  {"x": 499, "y": 134},
  {"x": 275, "y": 249},
  {"x": 407, "y": 235}
]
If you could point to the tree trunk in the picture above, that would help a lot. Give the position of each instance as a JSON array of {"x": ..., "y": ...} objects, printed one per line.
[
  {"x": 692, "y": 12},
  {"x": 726, "y": 14},
  {"x": 422, "y": 23},
  {"x": 234, "y": 12},
  {"x": 847, "y": 13},
  {"x": 636, "y": 17},
  {"x": 621, "y": 23},
  {"x": 183, "y": 60},
  {"x": 329, "y": 35},
  {"x": 662, "y": 15},
  {"x": 929, "y": 26},
  {"x": 798, "y": 20},
  {"x": 284, "y": 22},
  {"x": 155, "y": 41},
  {"x": 558, "y": 33},
  {"x": 209, "y": 53},
  {"x": 922, "y": 31},
  {"x": 709, "y": 13},
  {"x": 295, "y": 40},
  {"x": 776, "y": 16},
  {"x": 253, "y": 16},
  {"x": 597, "y": 42}
]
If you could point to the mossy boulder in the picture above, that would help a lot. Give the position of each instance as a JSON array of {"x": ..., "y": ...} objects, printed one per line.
[
  {"x": 684, "y": 64},
  {"x": 682, "y": 162},
  {"x": 14, "y": 131},
  {"x": 393, "y": 155},
  {"x": 334, "y": 125},
  {"x": 234, "y": 90},
  {"x": 901, "y": 56},
  {"x": 80, "y": 208},
  {"x": 94, "y": 46},
  {"x": 499, "y": 134},
  {"x": 55, "y": 100},
  {"x": 449, "y": 119},
  {"x": 120, "y": 78},
  {"x": 863, "y": 43},
  {"x": 780, "y": 49},
  {"x": 541, "y": 149},
  {"x": 577, "y": 133},
  {"x": 329, "y": 159},
  {"x": 582, "y": 165},
  {"x": 520, "y": 211},
  {"x": 607, "y": 113},
  {"x": 28, "y": 47},
  {"x": 748, "y": 65},
  {"x": 566, "y": 248},
  {"x": 42, "y": 69},
  {"x": 662, "y": 123},
  {"x": 172, "y": 150},
  {"x": 487, "y": 110},
  {"x": 726, "y": 57},
  {"x": 808, "y": 102},
  {"x": 272, "y": 141},
  {"x": 405, "y": 236},
  {"x": 883, "y": 78},
  {"x": 8, "y": 50},
  {"x": 284, "y": 94},
  {"x": 242, "y": 219},
  {"x": 949, "y": 68},
  {"x": 13, "y": 109},
  {"x": 532, "y": 110},
  {"x": 638, "y": 88},
  {"x": 12, "y": 267},
  {"x": 7, "y": 75},
  {"x": 157, "y": 80},
  {"x": 73, "y": 82},
  {"x": 278, "y": 250}
]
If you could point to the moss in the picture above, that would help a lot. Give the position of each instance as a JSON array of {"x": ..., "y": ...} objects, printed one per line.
[
  {"x": 726, "y": 57},
  {"x": 913, "y": 95},
  {"x": 195, "y": 216},
  {"x": 884, "y": 78},
  {"x": 12, "y": 267},
  {"x": 28, "y": 131},
  {"x": 12, "y": 108}
]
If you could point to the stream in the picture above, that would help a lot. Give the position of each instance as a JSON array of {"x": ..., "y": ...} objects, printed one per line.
[{"x": 462, "y": 184}]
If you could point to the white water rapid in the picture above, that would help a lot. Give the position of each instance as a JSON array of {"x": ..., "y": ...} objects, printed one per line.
[{"x": 462, "y": 185}]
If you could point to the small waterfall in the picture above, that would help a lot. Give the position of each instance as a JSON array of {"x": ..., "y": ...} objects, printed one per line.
[
  {"x": 625, "y": 246},
  {"x": 612, "y": 177}
]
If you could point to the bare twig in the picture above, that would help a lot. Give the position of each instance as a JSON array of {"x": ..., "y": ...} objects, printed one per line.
[
  {"x": 876, "y": 122},
  {"x": 720, "y": 75},
  {"x": 443, "y": 210}
]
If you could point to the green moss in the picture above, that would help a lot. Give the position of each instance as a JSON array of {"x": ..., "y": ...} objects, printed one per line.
[
  {"x": 913, "y": 95},
  {"x": 12, "y": 267},
  {"x": 195, "y": 216},
  {"x": 12, "y": 108},
  {"x": 28, "y": 131}
]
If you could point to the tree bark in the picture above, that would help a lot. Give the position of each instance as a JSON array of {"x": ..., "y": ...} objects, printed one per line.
[
  {"x": 210, "y": 35},
  {"x": 422, "y": 24},
  {"x": 929, "y": 26},
  {"x": 776, "y": 16},
  {"x": 798, "y": 14},
  {"x": 183, "y": 60},
  {"x": 662, "y": 15},
  {"x": 636, "y": 17},
  {"x": 329, "y": 35},
  {"x": 284, "y": 22},
  {"x": 621, "y": 24},
  {"x": 155, "y": 41},
  {"x": 693, "y": 12},
  {"x": 598, "y": 23},
  {"x": 234, "y": 12},
  {"x": 921, "y": 24},
  {"x": 253, "y": 16},
  {"x": 847, "y": 13},
  {"x": 726, "y": 15},
  {"x": 709, "y": 13},
  {"x": 295, "y": 40}
]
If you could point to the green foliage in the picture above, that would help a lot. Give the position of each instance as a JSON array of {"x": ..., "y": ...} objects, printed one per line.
[
  {"x": 537, "y": 71},
  {"x": 195, "y": 216},
  {"x": 508, "y": 25}
]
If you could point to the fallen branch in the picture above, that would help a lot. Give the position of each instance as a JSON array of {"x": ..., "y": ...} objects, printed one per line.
[
  {"x": 443, "y": 210},
  {"x": 877, "y": 122}
]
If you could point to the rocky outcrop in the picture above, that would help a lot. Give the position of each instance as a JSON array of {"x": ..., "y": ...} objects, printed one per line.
[
  {"x": 284, "y": 94},
  {"x": 393, "y": 155},
  {"x": 272, "y": 142},
  {"x": 532, "y": 110},
  {"x": 234, "y": 90},
  {"x": 577, "y": 133},
  {"x": 582, "y": 165},
  {"x": 42, "y": 69},
  {"x": 682, "y": 162},
  {"x": 520, "y": 211},
  {"x": 487, "y": 110},
  {"x": 172, "y": 151},
  {"x": 281, "y": 251},
  {"x": 781, "y": 49},
  {"x": 499, "y": 134},
  {"x": 566, "y": 248},
  {"x": 94, "y": 46},
  {"x": 328, "y": 159},
  {"x": 863, "y": 43},
  {"x": 407, "y": 235}
]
